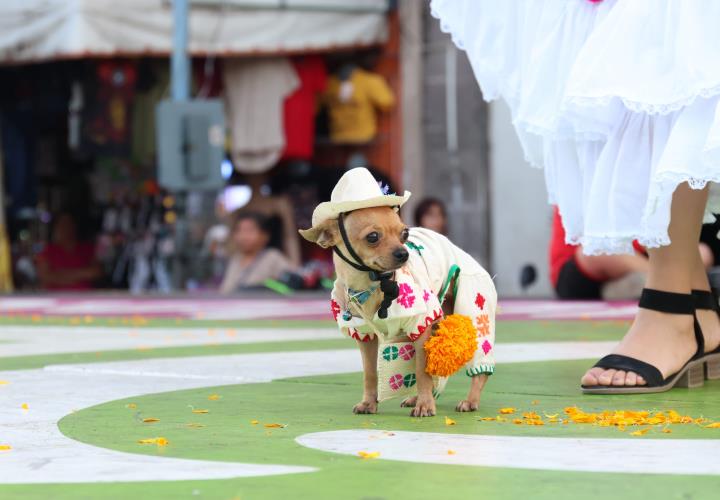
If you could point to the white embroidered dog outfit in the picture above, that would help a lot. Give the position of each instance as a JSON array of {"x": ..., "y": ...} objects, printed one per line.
[{"x": 423, "y": 281}]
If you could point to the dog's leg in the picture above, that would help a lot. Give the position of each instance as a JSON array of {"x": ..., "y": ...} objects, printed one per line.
[
  {"x": 409, "y": 402},
  {"x": 425, "y": 402},
  {"x": 369, "y": 403},
  {"x": 473, "y": 398}
]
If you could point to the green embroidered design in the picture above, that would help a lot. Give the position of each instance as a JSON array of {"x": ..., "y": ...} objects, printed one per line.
[
  {"x": 413, "y": 246},
  {"x": 480, "y": 370},
  {"x": 390, "y": 353},
  {"x": 409, "y": 380}
]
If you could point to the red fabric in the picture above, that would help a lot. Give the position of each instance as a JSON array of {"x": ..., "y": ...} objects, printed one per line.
[
  {"x": 59, "y": 259},
  {"x": 560, "y": 252},
  {"x": 300, "y": 108},
  {"x": 639, "y": 248}
]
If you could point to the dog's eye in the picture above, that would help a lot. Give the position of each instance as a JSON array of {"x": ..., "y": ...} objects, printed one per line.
[
  {"x": 372, "y": 237},
  {"x": 405, "y": 235}
]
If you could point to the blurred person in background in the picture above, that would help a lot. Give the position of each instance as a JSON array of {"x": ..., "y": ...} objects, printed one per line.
[
  {"x": 251, "y": 260},
  {"x": 431, "y": 214},
  {"x": 67, "y": 263},
  {"x": 577, "y": 276}
]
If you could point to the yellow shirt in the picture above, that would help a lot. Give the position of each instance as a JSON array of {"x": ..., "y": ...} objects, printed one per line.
[{"x": 354, "y": 119}]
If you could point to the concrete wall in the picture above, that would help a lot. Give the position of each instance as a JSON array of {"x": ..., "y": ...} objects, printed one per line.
[
  {"x": 455, "y": 168},
  {"x": 496, "y": 201},
  {"x": 520, "y": 217}
]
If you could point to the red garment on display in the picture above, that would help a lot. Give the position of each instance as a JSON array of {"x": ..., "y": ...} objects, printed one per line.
[
  {"x": 57, "y": 258},
  {"x": 560, "y": 252},
  {"x": 301, "y": 106}
]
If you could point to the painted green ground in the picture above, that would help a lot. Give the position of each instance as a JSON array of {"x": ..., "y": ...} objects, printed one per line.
[
  {"x": 312, "y": 404},
  {"x": 509, "y": 331}
]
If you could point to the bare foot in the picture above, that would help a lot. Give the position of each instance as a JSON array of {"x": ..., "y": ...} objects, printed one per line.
[
  {"x": 465, "y": 405},
  {"x": 365, "y": 407},
  {"x": 424, "y": 407},
  {"x": 409, "y": 402},
  {"x": 665, "y": 341}
]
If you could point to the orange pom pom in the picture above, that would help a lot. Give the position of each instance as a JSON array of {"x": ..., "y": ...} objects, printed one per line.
[{"x": 452, "y": 344}]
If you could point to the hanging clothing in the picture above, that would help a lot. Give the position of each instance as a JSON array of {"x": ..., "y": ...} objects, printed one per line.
[
  {"x": 255, "y": 90},
  {"x": 353, "y": 104},
  {"x": 619, "y": 102},
  {"x": 301, "y": 106}
]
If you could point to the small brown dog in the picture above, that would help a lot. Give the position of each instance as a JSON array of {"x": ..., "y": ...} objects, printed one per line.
[{"x": 392, "y": 282}]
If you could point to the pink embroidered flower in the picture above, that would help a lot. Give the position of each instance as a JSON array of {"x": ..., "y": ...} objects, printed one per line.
[
  {"x": 480, "y": 301},
  {"x": 335, "y": 308},
  {"x": 396, "y": 382},
  {"x": 426, "y": 296},
  {"x": 407, "y": 352},
  {"x": 486, "y": 346},
  {"x": 406, "y": 298}
]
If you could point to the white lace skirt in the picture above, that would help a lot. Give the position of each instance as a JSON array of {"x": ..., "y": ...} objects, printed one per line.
[{"x": 617, "y": 100}]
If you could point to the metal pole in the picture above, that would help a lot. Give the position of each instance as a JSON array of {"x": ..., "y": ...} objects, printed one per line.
[
  {"x": 180, "y": 91},
  {"x": 180, "y": 62}
]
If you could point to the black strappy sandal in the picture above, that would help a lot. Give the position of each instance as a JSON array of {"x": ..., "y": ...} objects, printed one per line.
[
  {"x": 691, "y": 375},
  {"x": 708, "y": 301}
]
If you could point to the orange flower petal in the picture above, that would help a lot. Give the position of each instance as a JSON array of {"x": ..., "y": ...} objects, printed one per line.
[
  {"x": 715, "y": 425},
  {"x": 5, "y": 447},
  {"x": 449, "y": 421},
  {"x": 640, "y": 432},
  {"x": 368, "y": 454},
  {"x": 214, "y": 397},
  {"x": 275, "y": 426},
  {"x": 150, "y": 420},
  {"x": 160, "y": 441},
  {"x": 507, "y": 411},
  {"x": 201, "y": 411},
  {"x": 451, "y": 452},
  {"x": 132, "y": 406},
  {"x": 254, "y": 422},
  {"x": 25, "y": 406}
]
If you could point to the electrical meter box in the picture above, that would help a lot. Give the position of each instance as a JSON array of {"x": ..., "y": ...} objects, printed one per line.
[{"x": 190, "y": 144}]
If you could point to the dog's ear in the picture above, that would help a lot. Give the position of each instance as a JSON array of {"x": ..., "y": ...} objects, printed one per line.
[{"x": 326, "y": 234}]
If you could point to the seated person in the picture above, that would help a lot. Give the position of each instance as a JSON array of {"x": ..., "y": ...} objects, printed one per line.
[
  {"x": 576, "y": 276},
  {"x": 251, "y": 261},
  {"x": 431, "y": 214},
  {"x": 67, "y": 263}
]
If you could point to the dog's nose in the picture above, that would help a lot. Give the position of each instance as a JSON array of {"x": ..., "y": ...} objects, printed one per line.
[{"x": 401, "y": 254}]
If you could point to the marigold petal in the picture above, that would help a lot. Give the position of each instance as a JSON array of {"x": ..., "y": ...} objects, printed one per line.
[
  {"x": 150, "y": 420},
  {"x": 449, "y": 421},
  {"x": 368, "y": 454},
  {"x": 201, "y": 411},
  {"x": 275, "y": 426},
  {"x": 715, "y": 425},
  {"x": 507, "y": 411},
  {"x": 5, "y": 447},
  {"x": 214, "y": 397}
]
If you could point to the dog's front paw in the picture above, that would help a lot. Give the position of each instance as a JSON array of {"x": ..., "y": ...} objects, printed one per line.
[
  {"x": 365, "y": 407},
  {"x": 466, "y": 405},
  {"x": 424, "y": 407}
]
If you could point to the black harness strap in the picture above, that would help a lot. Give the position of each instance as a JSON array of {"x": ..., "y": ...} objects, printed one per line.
[{"x": 388, "y": 286}]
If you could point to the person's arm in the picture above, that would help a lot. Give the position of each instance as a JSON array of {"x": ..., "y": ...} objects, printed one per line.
[
  {"x": 231, "y": 278},
  {"x": 380, "y": 93},
  {"x": 291, "y": 240}
]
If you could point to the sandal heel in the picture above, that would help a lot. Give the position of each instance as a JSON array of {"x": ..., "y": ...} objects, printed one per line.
[
  {"x": 693, "y": 378},
  {"x": 712, "y": 367}
]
